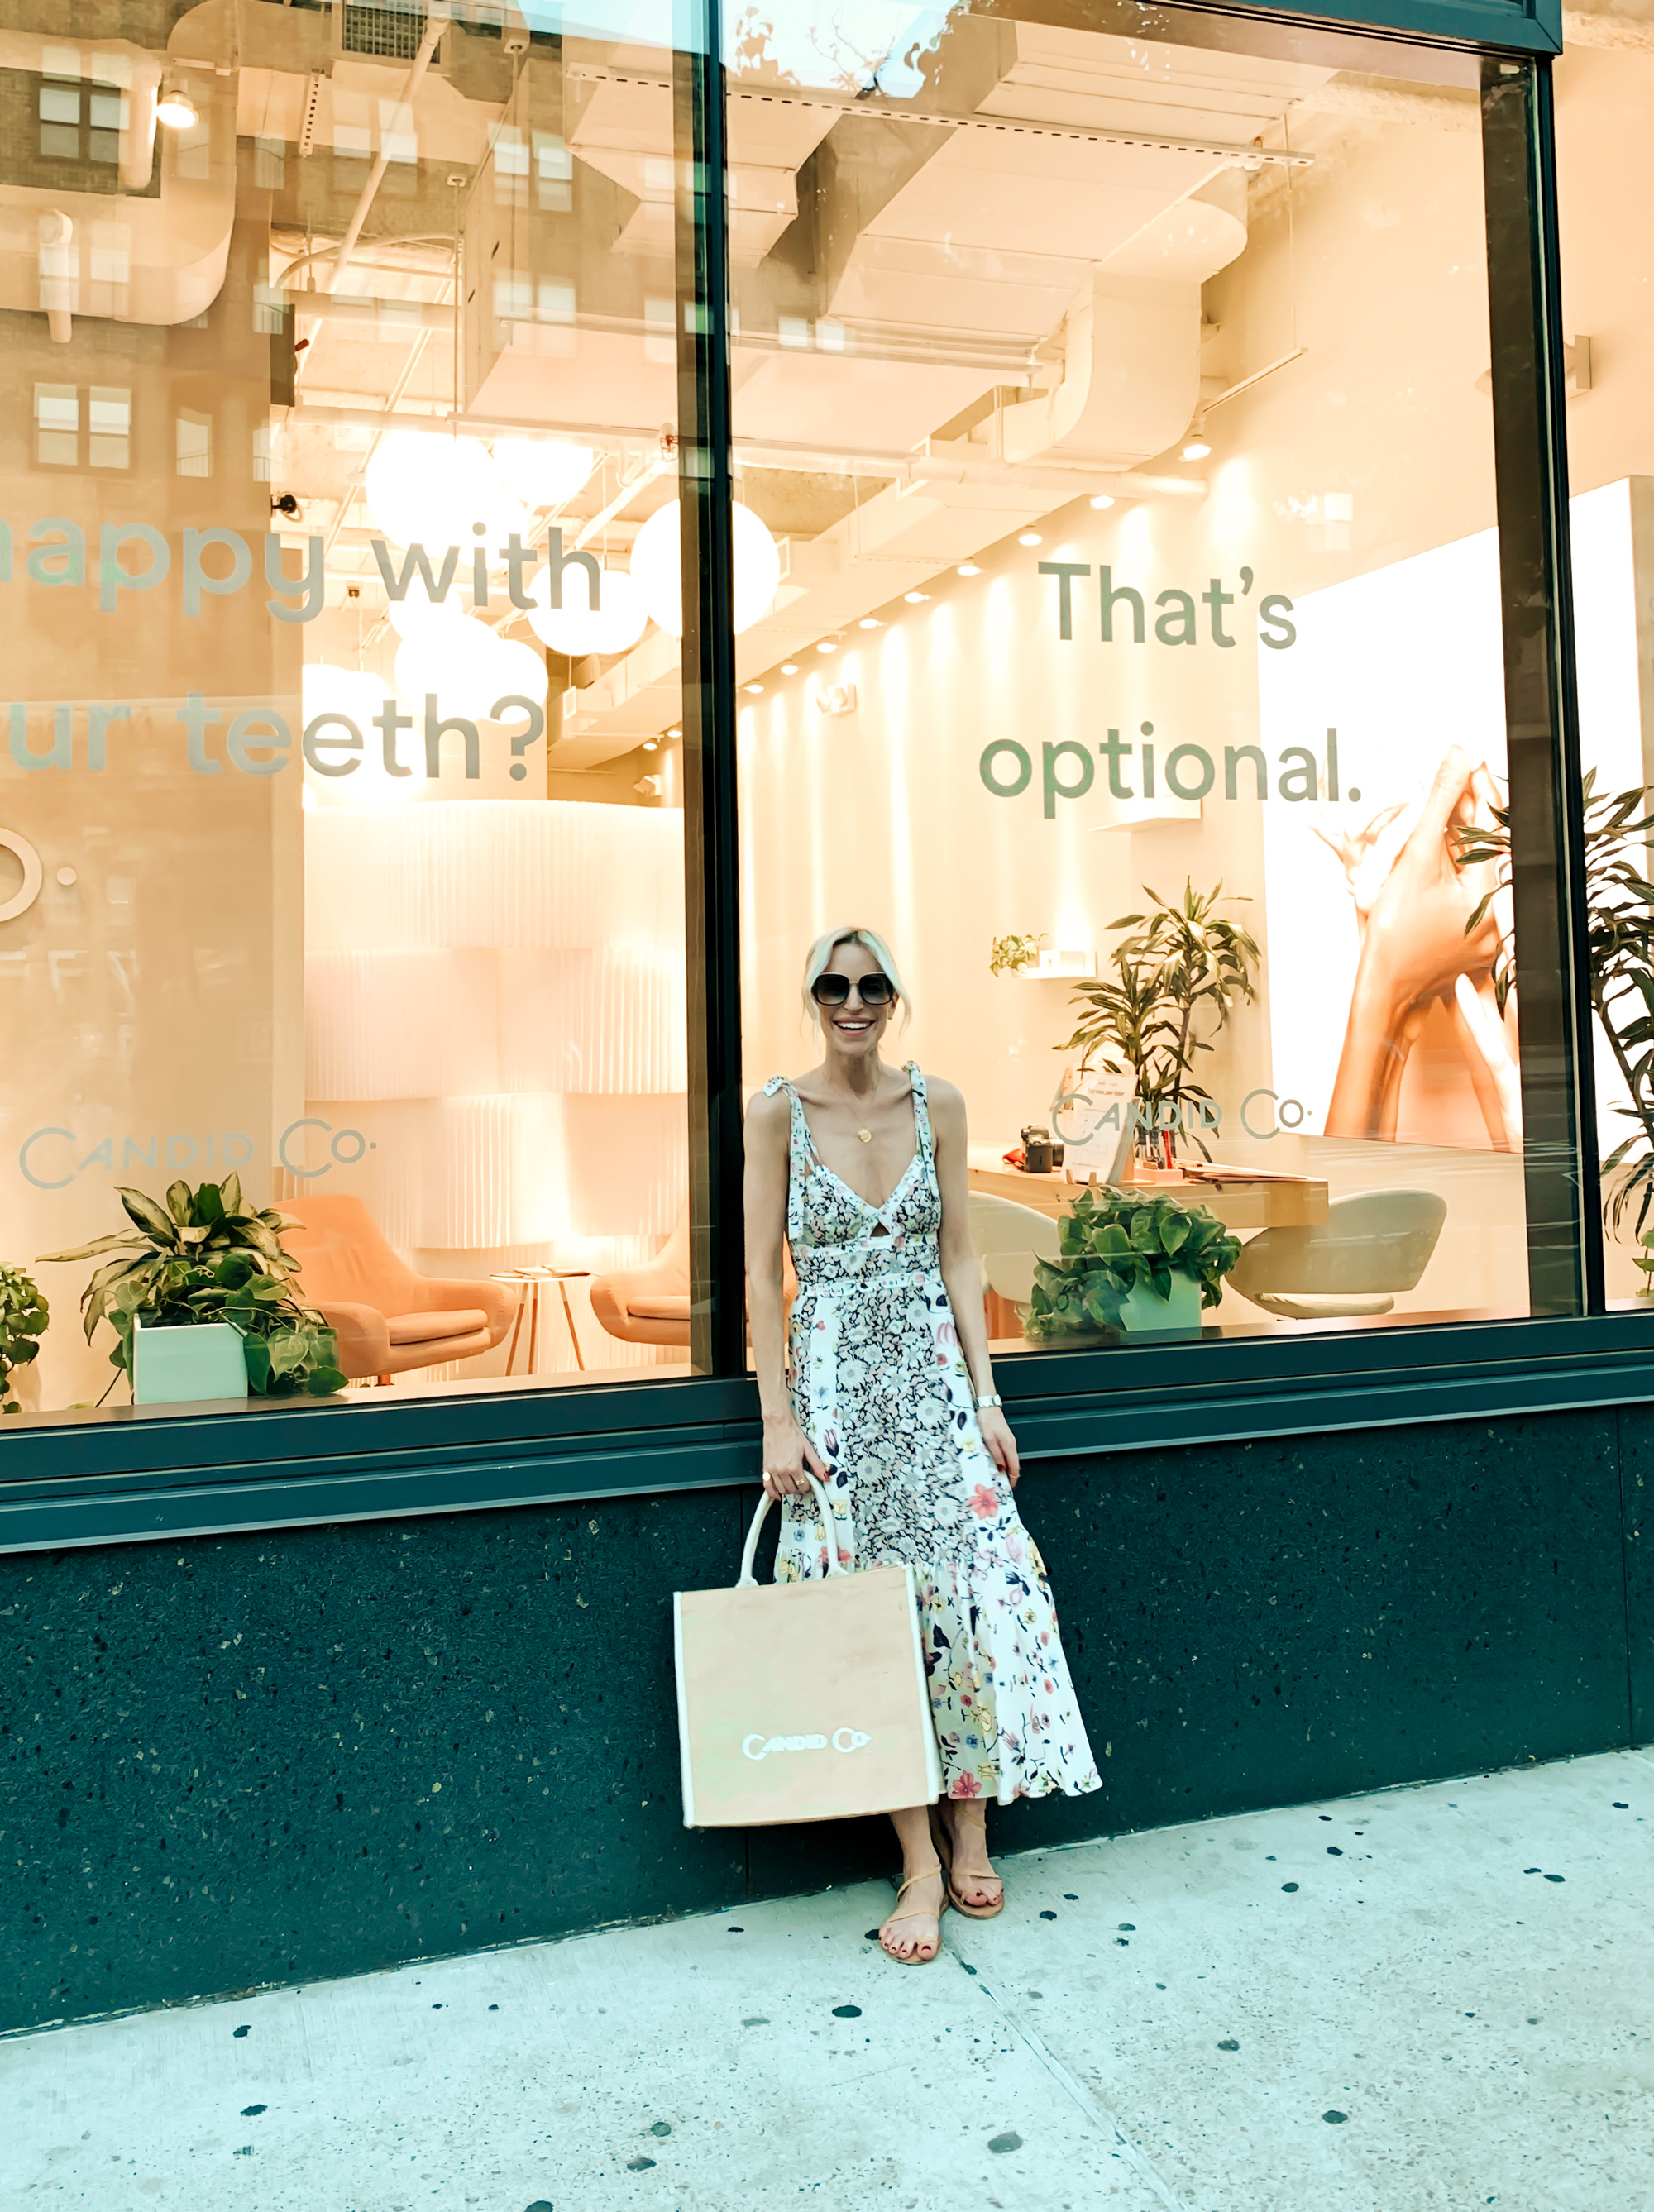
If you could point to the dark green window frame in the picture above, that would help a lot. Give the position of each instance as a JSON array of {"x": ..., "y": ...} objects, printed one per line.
[{"x": 98, "y": 1478}]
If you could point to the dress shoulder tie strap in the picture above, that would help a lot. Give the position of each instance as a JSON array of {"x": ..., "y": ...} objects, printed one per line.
[{"x": 921, "y": 1113}]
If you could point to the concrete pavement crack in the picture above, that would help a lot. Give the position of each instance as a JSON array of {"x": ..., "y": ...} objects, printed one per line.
[{"x": 1095, "y": 2111}]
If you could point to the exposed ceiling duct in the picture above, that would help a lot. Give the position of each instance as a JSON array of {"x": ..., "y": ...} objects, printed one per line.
[{"x": 919, "y": 299}]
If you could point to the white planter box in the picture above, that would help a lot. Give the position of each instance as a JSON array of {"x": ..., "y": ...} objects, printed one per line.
[{"x": 174, "y": 1367}]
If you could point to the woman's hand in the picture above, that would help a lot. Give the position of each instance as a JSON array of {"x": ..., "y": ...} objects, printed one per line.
[
  {"x": 1002, "y": 1444},
  {"x": 786, "y": 1453}
]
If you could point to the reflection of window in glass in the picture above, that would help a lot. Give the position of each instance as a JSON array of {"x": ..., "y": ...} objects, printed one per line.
[
  {"x": 263, "y": 451},
  {"x": 660, "y": 319},
  {"x": 194, "y": 433},
  {"x": 269, "y": 164},
  {"x": 103, "y": 107},
  {"x": 352, "y": 132},
  {"x": 511, "y": 167},
  {"x": 60, "y": 121},
  {"x": 399, "y": 142},
  {"x": 555, "y": 302},
  {"x": 269, "y": 304},
  {"x": 109, "y": 422},
  {"x": 554, "y": 173},
  {"x": 514, "y": 298},
  {"x": 58, "y": 425},
  {"x": 79, "y": 122},
  {"x": 110, "y": 268},
  {"x": 195, "y": 150}
]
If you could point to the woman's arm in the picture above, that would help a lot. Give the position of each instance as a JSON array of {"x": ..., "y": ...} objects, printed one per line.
[
  {"x": 785, "y": 1450},
  {"x": 961, "y": 1270}
]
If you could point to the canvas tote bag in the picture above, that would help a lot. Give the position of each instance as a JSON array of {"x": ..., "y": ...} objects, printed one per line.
[{"x": 803, "y": 1701}]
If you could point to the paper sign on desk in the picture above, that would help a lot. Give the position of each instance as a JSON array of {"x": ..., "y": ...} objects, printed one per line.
[{"x": 1094, "y": 1116}]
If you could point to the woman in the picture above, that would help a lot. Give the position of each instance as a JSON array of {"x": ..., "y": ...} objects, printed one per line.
[{"x": 888, "y": 1400}]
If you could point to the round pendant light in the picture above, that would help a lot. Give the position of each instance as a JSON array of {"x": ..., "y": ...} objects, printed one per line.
[
  {"x": 619, "y": 620},
  {"x": 425, "y": 488},
  {"x": 543, "y": 471},
  {"x": 657, "y": 568},
  {"x": 466, "y": 668}
]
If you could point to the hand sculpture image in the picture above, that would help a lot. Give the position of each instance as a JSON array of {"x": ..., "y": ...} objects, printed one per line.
[{"x": 1414, "y": 901}]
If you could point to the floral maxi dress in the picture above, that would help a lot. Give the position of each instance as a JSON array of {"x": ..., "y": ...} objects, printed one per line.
[{"x": 880, "y": 1388}]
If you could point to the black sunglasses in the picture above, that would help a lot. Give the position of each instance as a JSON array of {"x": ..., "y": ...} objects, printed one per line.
[{"x": 834, "y": 990}]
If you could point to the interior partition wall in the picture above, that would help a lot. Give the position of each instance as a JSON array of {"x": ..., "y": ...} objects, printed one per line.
[{"x": 1037, "y": 479}]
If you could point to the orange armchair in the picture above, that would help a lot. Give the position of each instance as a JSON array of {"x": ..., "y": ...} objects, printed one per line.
[
  {"x": 388, "y": 1318},
  {"x": 650, "y": 1304}
]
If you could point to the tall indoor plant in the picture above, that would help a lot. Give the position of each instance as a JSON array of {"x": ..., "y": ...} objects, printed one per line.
[
  {"x": 1619, "y": 931},
  {"x": 206, "y": 1256},
  {"x": 1176, "y": 978}
]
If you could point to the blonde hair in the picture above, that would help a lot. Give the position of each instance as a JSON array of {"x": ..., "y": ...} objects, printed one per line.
[{"x": 815, "y": 960}]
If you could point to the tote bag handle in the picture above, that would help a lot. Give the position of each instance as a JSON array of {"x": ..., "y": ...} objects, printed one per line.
[{"x": 748, "y": 1580}]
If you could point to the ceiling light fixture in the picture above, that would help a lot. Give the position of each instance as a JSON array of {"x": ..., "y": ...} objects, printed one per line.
[
  {"x": 826, "y": 645},
  {"x": 426, "y": 487},
  {"x": 968, "y": 569},
  {"x": 870, "y": 622},
  {"x": 575, "y": 628},
  {"x": 789, "y": 668},
  {"x": 657, "y": 554},
  {"x": 916, "y": 598},
  {"x": 175, "y": 108},
  {"x": 1198, "y": 445},
  {"x": 756, "y": 690},
  {"x": 651, "y": 744},
  {"x": 1102, "y": 499},
  {"x": 1031, "y": 537}
]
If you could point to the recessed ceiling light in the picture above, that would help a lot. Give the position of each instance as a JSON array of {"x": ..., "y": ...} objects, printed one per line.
[
  {"x": 1031, "y": 537},
  {"x": 674, "y": 733},
  {"x": 1102, "y": 500},
  {"x": 827, "y": 645},
  {"x": 1196, "y": 449},
  {"x": 651, "y": 744},
  {"x": 916, "y": 598},
  {"x": 789, "y": 668},
  {"x": 755, "y": 689},
  {"x": 870, "y": 622},
  {"x": 968, "y": 569}
]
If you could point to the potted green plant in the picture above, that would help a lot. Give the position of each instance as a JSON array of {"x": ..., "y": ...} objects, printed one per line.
[
  {"x": 1178, "y": 977},
  {"x": 1012, "y": 954},
  {"x": 1130, "y": 1260},
  {"x": 205, "y": 1261},
  {"x": 23, "y": 1317},
  {"x": 1619, "y": 931}
]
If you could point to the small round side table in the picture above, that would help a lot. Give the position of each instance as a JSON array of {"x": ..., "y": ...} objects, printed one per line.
[{"x": 530, "y": 1284}]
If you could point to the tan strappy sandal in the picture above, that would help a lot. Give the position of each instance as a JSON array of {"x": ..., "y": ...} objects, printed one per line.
[
  {"x": 916, "y": 1958},
  {"x": 944, "y": 1852}
]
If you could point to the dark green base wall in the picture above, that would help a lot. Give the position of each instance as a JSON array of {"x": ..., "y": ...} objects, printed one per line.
[{"x": 238, "y": 1761}]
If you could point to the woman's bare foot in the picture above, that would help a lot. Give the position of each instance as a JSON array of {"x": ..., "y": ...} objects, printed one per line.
[
  {"x": 912, "y": 1934},
  {"x": 975, "y": 1886}
]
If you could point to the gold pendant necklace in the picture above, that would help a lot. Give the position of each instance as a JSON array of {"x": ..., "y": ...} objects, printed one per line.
[{"x": 865, "y": 1135}]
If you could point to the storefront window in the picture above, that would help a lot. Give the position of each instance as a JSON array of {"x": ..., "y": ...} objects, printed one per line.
[
  {"x": 1120, "y": 394},
  {"x": 341, "y": 827},
  {"x": 1604, "y": 107}
]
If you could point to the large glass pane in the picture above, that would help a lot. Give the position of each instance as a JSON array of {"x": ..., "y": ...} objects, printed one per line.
[
  {"x": 1116, "y": 382},
  {"x": 340, "y": 839},
  {"x": 1604, "y": 88}
]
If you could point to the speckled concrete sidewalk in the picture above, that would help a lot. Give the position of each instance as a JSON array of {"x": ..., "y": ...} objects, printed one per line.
[{"x": 1433, "y": 1997}]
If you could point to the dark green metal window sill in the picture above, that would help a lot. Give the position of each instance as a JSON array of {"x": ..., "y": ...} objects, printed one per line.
[{"x": 113, "y": 1479}]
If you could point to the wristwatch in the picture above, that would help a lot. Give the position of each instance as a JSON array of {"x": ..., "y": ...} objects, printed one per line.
[{"x": 992, "y": 1398}]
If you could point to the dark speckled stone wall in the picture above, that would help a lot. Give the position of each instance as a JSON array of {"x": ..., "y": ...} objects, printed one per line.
[{"x": 279, "y": 1758}]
